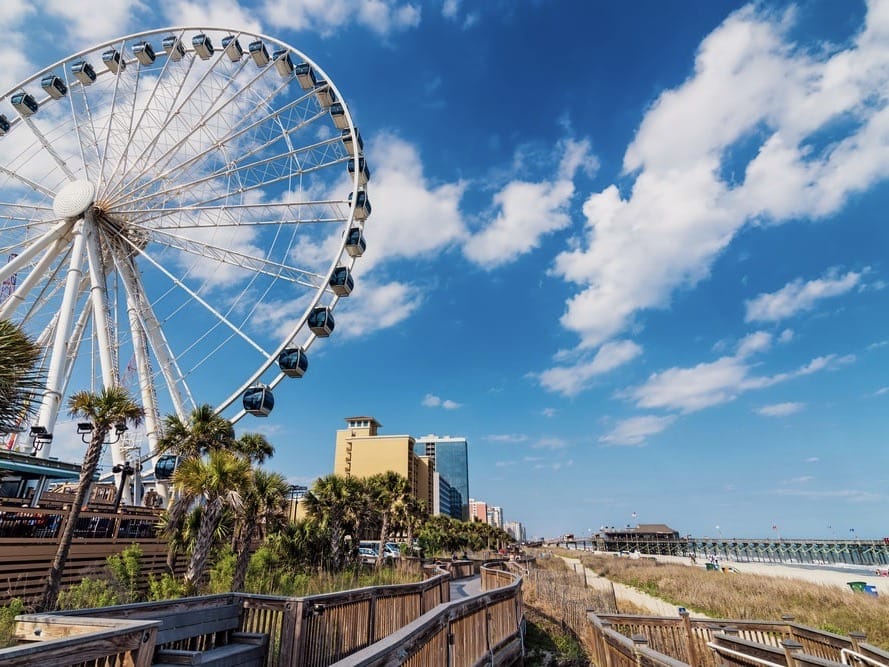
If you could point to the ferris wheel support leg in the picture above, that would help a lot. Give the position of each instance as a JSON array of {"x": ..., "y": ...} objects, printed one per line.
[
  {"x": 55, "y": 378},
  {"x": 151, "y": 327},
  {"x": 99, "y": 301},
  {"x": 8, "y": 307},
  {"x": 146, "y": 391},
  {"x": 33, "y": 249}
]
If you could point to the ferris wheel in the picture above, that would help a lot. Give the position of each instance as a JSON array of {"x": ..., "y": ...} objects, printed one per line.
[{"x": 180, "y": 212}]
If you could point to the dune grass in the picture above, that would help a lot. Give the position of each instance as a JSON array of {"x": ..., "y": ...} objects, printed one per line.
[{"x": 750, "y": 596}]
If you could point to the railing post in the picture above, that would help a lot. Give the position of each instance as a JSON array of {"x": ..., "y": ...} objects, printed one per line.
[
  {"x": 790, "y": 647},
  {"x": 791, "y": 631},
  {"x": 606, "y": 625},
  {"x": 690, "y": 635},
  {"x": 857, "y": 638},
  {"x": 731, "y": 631},
  {"x": 639, "y": 641},
  {"x": 291, "y": 633},
  {"x": 371, "y": 616}
]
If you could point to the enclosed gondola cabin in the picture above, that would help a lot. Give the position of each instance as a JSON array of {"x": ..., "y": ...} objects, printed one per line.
[
  {"x": 202, "y": 46},
  {"x": 25, "y": 104},
  {"x": 84, "y": 72},
  {"x": 232, "y": 48},
  {"x": 305, "y": 75},
  {"x": 321, "y": 321},
  {"x": 4, "y": 124},
  {"x": 283, "y": 62},
  {"x": 144, "y": 53},
  {"x": 174, "y": 48},
  {"x": 165, "y": 466},
  {"x": 324, "y": 93},
  {"x": 54, "y": 86},
  {"x": 341, "y": 281},
  {"x": 113, "y": 61},
  {"x": 338, "y": 114},
  {"x": 259, "y": 53},
  {"x": 363, "y": 170},
  {"x": 354, "y": 147},
  {"x": 362, "y": 205},
  {"x": 293, "y": 362},
  {"x": 355, "y": 243},
  {"x": 259, "y": 400}
]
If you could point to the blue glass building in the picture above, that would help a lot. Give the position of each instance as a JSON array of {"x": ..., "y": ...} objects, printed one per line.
[{"x": 450, "y": 459}]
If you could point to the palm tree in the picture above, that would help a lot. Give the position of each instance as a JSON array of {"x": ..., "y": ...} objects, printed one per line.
[
  {"x": 215, "y": 481},
  {"x": 255, "y": 447},
  {"x": 389, "y": 491},
  {"x": 202, "y": 432},
  {"x": 334, "y": 502},
  {"x": 264, "y": 508},
  {"x": 20, "y": 378},
  {"x": 111, "y": 406}
]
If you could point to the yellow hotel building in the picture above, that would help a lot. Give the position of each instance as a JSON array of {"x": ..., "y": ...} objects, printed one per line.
[{"x": 361, "y": 452}]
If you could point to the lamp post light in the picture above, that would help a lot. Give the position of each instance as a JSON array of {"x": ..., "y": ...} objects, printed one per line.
[{"x": 85, "y": 430}]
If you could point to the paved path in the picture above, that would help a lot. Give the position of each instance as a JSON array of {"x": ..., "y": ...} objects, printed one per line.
[
  {"x": 464, "y": 588},
  {"x": 624, "y": 593}
]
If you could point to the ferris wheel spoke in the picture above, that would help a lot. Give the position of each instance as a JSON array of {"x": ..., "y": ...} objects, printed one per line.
[
  {"x": 27, "y": 182},
  {"x": 240, "y": 260},
  {"x": 33, "y": 249},
  {"x": 111, "y": 119},
  {"x": 48, "y": 148},
  {"x": 194, "y": 295},
  {"x": 224, "y": 138},
  {"x": 232, "y": 215},
  {"x": 261, "y": 173},
  {"x": 198, "y": 123}
]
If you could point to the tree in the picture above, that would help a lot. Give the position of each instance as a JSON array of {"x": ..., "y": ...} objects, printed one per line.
[
  {"x": 204, "y": 431},
  {"x": 389, "y": 491},
  {"x": 111, "y": 406},
  {"x": 216, "y": 482},
  {"x": 335, "y": 502},
  {"x": 255, "y": 447},
  {"x": 20, "y": 378},
  {"x": 264, "y": 508}
]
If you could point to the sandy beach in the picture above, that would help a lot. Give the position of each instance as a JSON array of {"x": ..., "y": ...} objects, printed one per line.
[{"x": 832, "y": 575}]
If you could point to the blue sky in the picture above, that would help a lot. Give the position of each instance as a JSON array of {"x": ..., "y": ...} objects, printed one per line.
[{"x": 634, "y": 252}]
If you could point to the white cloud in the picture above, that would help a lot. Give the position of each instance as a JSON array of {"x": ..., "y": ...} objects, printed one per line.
[
  {"x": 507, "y": 437},
  {"x": 90, "y": 21},
  {"x": 785, "y": 336},
  {"x": 571, "y": 380},
  {"x": 759, "y": 341},
  {"x": 324, "y": 16},
  {"x": 377, "y": 306},
  {"x": 717, "y": 382},
  {"x": 449, "y": 8},
  {"x": 635, "y": 430},
  {"x": 216, "y": 13},
  {"x": 529, "y": 211},
  {"x": 433, "y": 401},
  {"x": 549, "y": 412},
  {"x": 679, "y": 212},
  {"x": 797, "y": 296},
  {"x": 550, "y": 443},
  {"x": 812, "y": 459},
  {"x": 781, "y": 409}
]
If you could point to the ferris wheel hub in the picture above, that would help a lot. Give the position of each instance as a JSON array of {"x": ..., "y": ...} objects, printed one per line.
[{"x": 74, "y": 199}]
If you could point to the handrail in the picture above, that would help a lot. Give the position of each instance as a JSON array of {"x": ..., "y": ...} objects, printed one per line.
[
  {"x": 859, "y": 656},
  {"x": 739, "y": 654}
]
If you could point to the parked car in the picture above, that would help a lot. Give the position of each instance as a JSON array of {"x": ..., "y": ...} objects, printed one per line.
[{"x": 367, "y": 555}]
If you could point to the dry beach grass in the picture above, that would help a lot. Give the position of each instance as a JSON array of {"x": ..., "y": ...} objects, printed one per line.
[{"x": 752, "y": 595}]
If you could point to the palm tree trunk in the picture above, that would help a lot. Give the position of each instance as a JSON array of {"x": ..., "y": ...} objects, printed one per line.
[
  {"x": 384, "y": 537},
  {"x": 243, "y": 560},
  {"x": 203, "y": 544},
  {"x": 90, "y": 463}
]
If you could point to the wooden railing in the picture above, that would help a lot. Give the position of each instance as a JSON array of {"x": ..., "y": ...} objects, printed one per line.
[
  {"x": 312, "y": 631},
  {"x": 623, "y": 638},
  {"x": 484, "y": 629}
]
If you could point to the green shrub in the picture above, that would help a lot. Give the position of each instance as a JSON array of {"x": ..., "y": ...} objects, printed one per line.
[
  {"x": 7, "y": 621},
  {"x": 165, "y": 587},
  {"x": 90, "y": 592}
]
